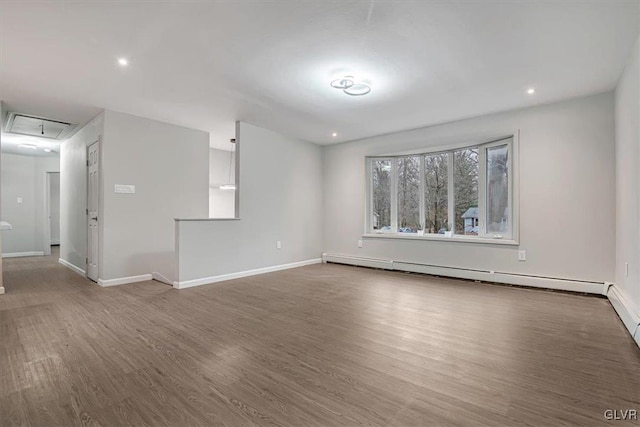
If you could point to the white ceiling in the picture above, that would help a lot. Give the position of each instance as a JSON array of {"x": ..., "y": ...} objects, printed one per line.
[{"x": 206, "y": 64}]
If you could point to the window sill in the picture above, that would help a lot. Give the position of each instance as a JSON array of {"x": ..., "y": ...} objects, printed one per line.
[{"x": 440, "y": 238}]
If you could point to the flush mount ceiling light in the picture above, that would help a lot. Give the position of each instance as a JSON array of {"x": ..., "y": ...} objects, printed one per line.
[
  {"x": 28, "y": 146},
  {"x": 531, "y": 91},
  {"x": 350, "y": 86},
  {"x": 343, "y": 83},
  {"x": 123, "y": 61},
  {"x": 358, "y": 89},
  {"x": 46, "y": 150}
]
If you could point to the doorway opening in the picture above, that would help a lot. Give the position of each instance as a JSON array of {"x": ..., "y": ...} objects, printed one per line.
[{"x": 52, "y": 211}]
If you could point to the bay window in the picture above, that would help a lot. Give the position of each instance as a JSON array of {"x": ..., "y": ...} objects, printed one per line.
[{"x": 459, "y": 192}]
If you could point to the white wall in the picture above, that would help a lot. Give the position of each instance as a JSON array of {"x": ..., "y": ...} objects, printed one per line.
[
  {"x": 280, "y": 199},
  {"x": 627, "y": 149},
  {"x": 567, "y": 215},
  {"x": 73, "y": 192},
  {"x": 25, "y": 177},
  {"x": 169, "y": 166},
  {"x": 221, "y": 202},
  {"x": 18, "y": 180},
  {"x": 1, "y": 128}
]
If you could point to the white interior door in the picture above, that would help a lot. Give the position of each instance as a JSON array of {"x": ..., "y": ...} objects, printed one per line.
[{"x": 93, "y": 173}]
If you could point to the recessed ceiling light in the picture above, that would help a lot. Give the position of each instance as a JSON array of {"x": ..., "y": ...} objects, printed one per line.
[
  {"x": 334, "y": 134},
  {"x": 531, "y": 91},
  {"x": 46, "y": 150},
  {"x": 28, "y": 146},
  {"x": 123, "y": 61}
]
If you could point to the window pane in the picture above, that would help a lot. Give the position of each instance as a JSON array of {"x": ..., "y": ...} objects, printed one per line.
[
  {"x": 408, "y": 194},
  {"x": 497, "y": 189},
  {"x": 465, "y": 182},
  {"x": 436, "y": 181},
  {"x": 381, "y": 183}
]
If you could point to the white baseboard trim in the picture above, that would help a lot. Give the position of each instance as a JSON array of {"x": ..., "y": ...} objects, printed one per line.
[
  {"x": 471, "y": 274},
  {"x": 160, "y": 278},
  {"x": 55, "y": 242},
  {"x": 214, "y": 279},
  {"x": 22, "y": 254},
  {"x": 72, "y": 267},
  {"x": 627, "y": 314},
  {"x": 124, "y": 280},
  {"x": 1, "y": 290}
]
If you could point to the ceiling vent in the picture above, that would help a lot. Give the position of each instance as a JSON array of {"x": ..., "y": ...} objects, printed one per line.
[{"x": 41, "y": 127}]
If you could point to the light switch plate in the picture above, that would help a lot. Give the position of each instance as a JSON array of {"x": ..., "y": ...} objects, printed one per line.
[
  {"x": 278, "y": 244},
  {"x": 124, "y": 189},
  {"x": 19, "y": 199},
  {"x": 522, "y": 255}
]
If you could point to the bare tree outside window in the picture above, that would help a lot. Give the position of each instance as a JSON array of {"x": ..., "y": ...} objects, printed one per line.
[
  {"x": 381, "y": 183},
  {"x": 465, "y": 179},
  {"x": 436, "y": 177},
  {"x": 408, "y": 194}
]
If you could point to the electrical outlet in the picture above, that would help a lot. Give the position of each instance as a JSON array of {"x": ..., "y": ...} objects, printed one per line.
[
  {"x": 360, "y": 243},
  {"x": 278, "y": 244},
  {"x": 19, "y": 199},
  {"x": 522, "y": 255}
]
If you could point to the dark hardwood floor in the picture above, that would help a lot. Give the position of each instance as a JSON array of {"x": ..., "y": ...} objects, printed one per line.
[{"x": 320, "y": 345}]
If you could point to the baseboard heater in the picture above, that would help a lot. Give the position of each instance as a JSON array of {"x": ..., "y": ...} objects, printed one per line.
[
  {"x": 472, "y": 274},
  {"x": 359, "y": 261}
]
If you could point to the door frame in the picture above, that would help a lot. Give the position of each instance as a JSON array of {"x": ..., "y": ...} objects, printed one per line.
[
  {"x": 99, "y": 199},
  {"x": 47, "y": 212}
]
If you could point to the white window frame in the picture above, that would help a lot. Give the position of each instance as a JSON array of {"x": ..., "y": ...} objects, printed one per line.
[
  {"x": 482, "y": 188},
  {"x": 510, "y": 238}
]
